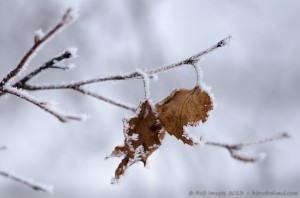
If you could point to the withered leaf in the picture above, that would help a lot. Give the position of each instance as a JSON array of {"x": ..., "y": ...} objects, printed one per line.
[
  {"x": 143, "y": 134},
  {"x": 182, "y": 108},
  {"x": 145, "y": 130}
]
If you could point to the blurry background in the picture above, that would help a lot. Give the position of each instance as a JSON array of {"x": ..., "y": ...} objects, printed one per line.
[{"x": 255, "y": 81}]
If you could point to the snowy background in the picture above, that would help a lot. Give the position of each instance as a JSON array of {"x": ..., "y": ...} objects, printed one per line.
[{"x": 255, "y": 81}]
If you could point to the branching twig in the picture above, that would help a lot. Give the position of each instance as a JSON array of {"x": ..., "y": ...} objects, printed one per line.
[
  {"x": 233, "y": 148},
  {"x": 63, "y": 117},
  {"x": 49, "y": 64},
  {"x": 68, "y": 17},
  {"x": 39, "y": 40},
  {"x": 188, "y": 61},
  {"x": 23, "y": 83},
  {"x": 191, "y": 60},
  {"x": 28, "y": 182}
]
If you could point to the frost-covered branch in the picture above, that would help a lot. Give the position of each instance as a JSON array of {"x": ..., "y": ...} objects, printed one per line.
[
  {"x": 50, "y": 64},
  {"x": 39, "y": 40},
  {"x": 146, "y": 83},
  {"x": 133, "y": 75},
  {"x": 45, "y": 105},
  {"x": 27, "y": 181},
  {"x": 23, "y": 83},
  {"x": 69, "y": 16},
  {"x": 233, "y": 148},
  {"x": 193, "y": 59}
]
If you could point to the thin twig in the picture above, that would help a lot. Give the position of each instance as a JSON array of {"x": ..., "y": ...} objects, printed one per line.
[
  {"x": 22, "y": 84},
  {"x": 146, "y": 84},
  {"x": 191, "y": 60},
  {"x": 188, "y": 61},
  {"x": 45, "y": 66},
  {"x": 67, "y": 17},
  {"x": 39, "y": 40},
  {"x": 43, "y": 105},
  {"x": 232, "y": 148},
  {"x": 28, "y": 182},
  {"x": 105, "y": 99}
]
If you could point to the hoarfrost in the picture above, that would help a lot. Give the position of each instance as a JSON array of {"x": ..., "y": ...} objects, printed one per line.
[
  {"x": 45, "y": 105},
  {"x": 72, "y": 15},
  {"x": 154, "y": 77},
  {"x": 188, "y": 135},
  {"x": 38, "y": 35},
  {"x": 73, "y": 52},
  {"x": 261, "y": 157},
  {"x": 24, "y": 94},
  {"x": 134, "y": 137},
  {"x": 70, "y": 66},
  {"x": 146, "y": 83},
  {"x": 202, "y": 85}
]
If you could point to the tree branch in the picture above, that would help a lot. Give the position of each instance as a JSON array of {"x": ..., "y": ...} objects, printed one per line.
[
  {"x": 28, "y": 182},
  {"x": 68, "y": 17},
  {"x": 23, "y": 83},
  {"x": 47, "y": 65},
  {"x": 193, "y": 59},
  {"x": 233, "y": 148},
  {"x": 188, "y": 61},
  {"x": 63, "y": 117},
  {"x": 105, "y": 99}
]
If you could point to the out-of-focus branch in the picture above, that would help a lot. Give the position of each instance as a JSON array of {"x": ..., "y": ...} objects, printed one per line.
[
  {"x": 2, "y": 148},
  {"x": 233, "y": 148},
  {"x": 28, "y": 182}
]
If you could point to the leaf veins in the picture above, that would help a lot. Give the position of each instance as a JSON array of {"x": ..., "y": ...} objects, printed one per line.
[{"x": 182, "y": 108}]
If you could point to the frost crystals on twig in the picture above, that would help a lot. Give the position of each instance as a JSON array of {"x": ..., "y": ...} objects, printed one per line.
[
  {"x": 133, "y": 75},
  {"x": 40, "y": 39},
  {"x": 60, "y": 115}
]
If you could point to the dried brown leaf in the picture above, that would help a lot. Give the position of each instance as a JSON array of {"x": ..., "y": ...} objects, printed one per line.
[
  {"x": 143, "y": 135},
  {"x": 182, "y": 108},
  {"x": 145, "y": 130}
]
